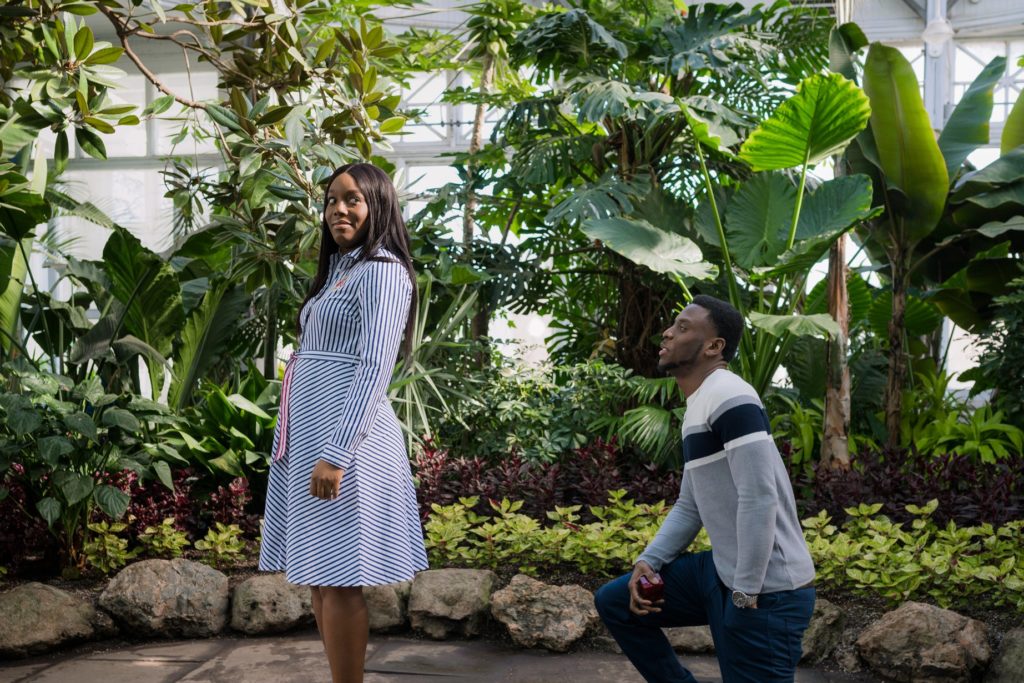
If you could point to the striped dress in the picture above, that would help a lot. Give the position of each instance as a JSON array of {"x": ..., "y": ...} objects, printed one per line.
[{"x": 334, "y": 407}]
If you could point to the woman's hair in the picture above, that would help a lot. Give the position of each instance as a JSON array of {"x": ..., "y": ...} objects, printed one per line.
[{"x": 385, "y": 228}]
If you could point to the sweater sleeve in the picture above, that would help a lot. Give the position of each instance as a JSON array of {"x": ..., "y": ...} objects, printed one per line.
[
  {"x": 384, "y": 297},
  {"x": 677, "y": 531},
  {"x": 744, "y": 432}
]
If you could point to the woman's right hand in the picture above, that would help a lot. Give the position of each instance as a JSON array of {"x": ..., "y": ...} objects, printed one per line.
[
  {"x": 638, "y": 605},
  {"x": 325, "y": 481}
]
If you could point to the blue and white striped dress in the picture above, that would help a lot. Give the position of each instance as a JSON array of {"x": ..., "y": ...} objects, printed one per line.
[{"x": 337, "y": 409}]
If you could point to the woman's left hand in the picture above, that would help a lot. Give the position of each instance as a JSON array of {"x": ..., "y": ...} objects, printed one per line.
[{"x": 326, "y": 480}]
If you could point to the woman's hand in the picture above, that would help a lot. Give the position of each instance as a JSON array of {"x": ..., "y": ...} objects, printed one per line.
[{"x": 326, "y": 480}]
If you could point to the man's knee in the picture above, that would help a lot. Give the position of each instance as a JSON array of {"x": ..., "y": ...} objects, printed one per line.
[{"x": 609, "y": 600}]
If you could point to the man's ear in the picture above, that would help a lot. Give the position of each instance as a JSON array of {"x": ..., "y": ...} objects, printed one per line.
[{"x": 716, "y": 346}]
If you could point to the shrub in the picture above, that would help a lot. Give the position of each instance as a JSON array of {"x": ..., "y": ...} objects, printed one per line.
[
  {"x": 222, "y": 545},
  {"x": 583, "y": 477},
  {"x": 968, "y": 491},
  {"x": 106, "y": 550},
  {"x": 164, "y": 540}
]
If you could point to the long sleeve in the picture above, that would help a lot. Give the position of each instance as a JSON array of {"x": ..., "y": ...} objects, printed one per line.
[
  {"x": 677, "y": 531},
  {"x": 751, "y": 455},
  {"x": 383, "y": 301}
]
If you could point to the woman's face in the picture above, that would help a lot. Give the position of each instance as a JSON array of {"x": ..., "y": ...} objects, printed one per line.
[{"x": 345, "y": 212}]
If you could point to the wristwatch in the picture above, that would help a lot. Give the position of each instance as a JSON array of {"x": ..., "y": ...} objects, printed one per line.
[{"x": 742, "y": 600}]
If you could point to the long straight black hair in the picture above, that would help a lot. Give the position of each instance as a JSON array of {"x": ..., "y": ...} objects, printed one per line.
[{"x": 385, "y": 228}]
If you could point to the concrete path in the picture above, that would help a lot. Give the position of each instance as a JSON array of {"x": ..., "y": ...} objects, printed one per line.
[{"x": 299, "y": 658}]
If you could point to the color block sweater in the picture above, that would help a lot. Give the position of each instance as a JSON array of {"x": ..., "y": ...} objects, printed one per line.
[{"x": 735, "y": 484}]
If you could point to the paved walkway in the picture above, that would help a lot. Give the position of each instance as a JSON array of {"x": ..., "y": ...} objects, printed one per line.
[{"x": 298, "y": 658}]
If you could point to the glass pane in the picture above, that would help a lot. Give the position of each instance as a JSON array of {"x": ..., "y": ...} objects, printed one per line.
[
  {"x": 132, "y": 197},
  {"x": 199, "y": 85}
]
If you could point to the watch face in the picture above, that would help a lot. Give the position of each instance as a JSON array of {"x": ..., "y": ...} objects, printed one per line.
[{"x": 740, "y": 599}]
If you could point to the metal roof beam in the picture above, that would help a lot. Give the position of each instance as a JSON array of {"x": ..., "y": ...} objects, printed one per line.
[{"x": 918, "y": 8}]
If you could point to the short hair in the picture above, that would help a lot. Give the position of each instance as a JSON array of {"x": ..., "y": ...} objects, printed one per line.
[{"x": 727, "y": 321}]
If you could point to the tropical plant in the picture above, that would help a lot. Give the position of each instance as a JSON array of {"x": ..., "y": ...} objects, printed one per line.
[
  {"x": 1000, "y": 367},
  {"x": 933, "y": 201},
  {"x": 66, "y": 439}
]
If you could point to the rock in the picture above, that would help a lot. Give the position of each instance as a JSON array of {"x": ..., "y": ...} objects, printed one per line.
[
  {"x": 535, "y": 613},
  {"x": 168, "y": 598},
  {"x": 824, "y": 632},
  {"x": 919, "y": 642},
  {"x": 691, "y": 640},
  {"x": 443, "y": 602},
  {"x": 388, "y": 605},
  {"x": 1008, "y": 666},
  {"x": 36, "y": 618},
  {"x": 269, "y": 604}
]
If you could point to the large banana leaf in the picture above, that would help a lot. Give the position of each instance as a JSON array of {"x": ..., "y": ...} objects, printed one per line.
[
  {"x": 1013, "y": 129},
  {"x": 817, "y": 325},
  {"x": 659, "y": 250},
  {"x": 1007, "y": 170},
  {"x": 206, "y": 332},
  {"x": 757, "y": 219},
  {"x": 907, "y": 151},
  {"x": 148, "y": 289},
  {"x": 13, "y": 272},
  {"x": 821, "y": 119},
  {"x": 843, "y": 43},
  {"x": 967, "y": 127}
]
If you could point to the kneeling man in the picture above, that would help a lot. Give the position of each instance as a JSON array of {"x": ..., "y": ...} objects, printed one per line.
[{"x": 755, "y": 588}]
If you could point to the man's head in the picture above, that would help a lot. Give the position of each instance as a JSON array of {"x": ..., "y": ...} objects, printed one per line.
[{"x": 705, "y": 332}]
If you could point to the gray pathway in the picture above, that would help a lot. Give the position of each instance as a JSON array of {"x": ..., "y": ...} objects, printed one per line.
[{"x": 298, "y": 658}]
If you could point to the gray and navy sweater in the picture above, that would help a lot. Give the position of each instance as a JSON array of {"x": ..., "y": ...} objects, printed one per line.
[{"x": 735, "y": 484}]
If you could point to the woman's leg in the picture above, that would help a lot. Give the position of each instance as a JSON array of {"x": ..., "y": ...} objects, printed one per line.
[
  {"x": 318, "y": 607},
  {"x": 344, "y": 627}
]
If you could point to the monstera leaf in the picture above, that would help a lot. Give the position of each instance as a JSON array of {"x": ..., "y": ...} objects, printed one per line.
[
  {"x": 659, "y": 250},
  {"x": 821, "y": 119}
]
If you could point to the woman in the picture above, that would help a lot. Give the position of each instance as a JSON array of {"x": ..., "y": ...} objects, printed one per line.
[{"x": 341, "y": 509}]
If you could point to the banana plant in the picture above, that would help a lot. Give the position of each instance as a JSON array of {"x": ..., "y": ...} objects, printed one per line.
[{"x": 944, "y": 227}]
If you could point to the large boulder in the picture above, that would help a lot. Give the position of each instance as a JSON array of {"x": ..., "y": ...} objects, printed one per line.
[
  {"x": 36, "y": 618},
  {"x": 824, "y": 632},
  {"x": 168, "y": 598},
  {"x": 535, "y": 613},
  {"x": 388, "y": 605},
  {"x": 919, "y": 642},
  {"x": 1008, "y": 666},
  {"x": 444, "y": 602},
  {"x": 269, "y": 604},
  {"x": 691, "y": 640}
]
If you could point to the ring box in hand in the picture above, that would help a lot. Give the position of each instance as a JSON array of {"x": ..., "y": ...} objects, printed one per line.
[{"x": 652, "y": 590}]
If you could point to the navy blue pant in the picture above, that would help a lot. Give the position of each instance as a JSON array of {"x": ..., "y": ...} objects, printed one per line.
[{"x": 760, "y": 645}]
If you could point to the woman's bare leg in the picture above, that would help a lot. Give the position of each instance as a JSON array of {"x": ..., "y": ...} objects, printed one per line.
[
  {"x": 318, "y": 610},
  {"x": 345, "y": 628}
]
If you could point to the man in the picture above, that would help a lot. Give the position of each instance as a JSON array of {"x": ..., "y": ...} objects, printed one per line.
[{"x": 755, "y": 587}]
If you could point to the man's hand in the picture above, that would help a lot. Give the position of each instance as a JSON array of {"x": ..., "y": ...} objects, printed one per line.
[
  {"x": 638, "y": 605},
  {"x": 326, "y": 480}
]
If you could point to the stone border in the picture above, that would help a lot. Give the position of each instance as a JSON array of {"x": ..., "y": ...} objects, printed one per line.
[{"x": 185, "y": 599}]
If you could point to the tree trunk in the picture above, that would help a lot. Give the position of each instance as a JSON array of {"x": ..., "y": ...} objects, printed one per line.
[
  {"x": 897, "y": 354},
  {"x": 270, "y": 341},
  {"x": 643, "y": 313},
  {"x": 835, "y": 448},
  {"x": 479, "y": 327}
]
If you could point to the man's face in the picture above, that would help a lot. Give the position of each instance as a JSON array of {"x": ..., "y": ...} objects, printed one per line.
[{"x": 684, "y": 341}]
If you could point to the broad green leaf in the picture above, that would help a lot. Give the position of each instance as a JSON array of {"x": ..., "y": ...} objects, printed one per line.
[
  {"x": 642, "y": 243},
  {"x": 757, "y": 219},
  {"x": 119, "y": 417},
  {"x": 997, "y": 228},
  {"x": 392, "y": 125},
  {"x": 843, "y": 43},
  {"x": 14, "y": 275},
  {"x": 835, "y": 204},
  {"x": 206, "y": 332},
  {"x": 907, "y": 151},
  {"x": 83, "y": 43},
  {"x": 247, "y": 406},
  {"x": 113, "y": 501},
  {"x": 1013, "y": 128},
  {"x": 73, "y": 485},
  {"x": 163, "y": 473},
  {"x": 818, "y": 325},
  {"x": 224, "y": 117},
  {"x": 23, "y": 421},
  {"x": 967, "y": 127},
  {"x": 920, "y": 317},
  {"x": 91, "y": 143},
  {"x": 81, "y": 423},
  {"x": 821, "y": 119},
  {"x": 107, "y": 55},
  {"x": 1008, "y": 169},
  {"x": 51, "y": 448},
  {"x": 49, "y": 509}
]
